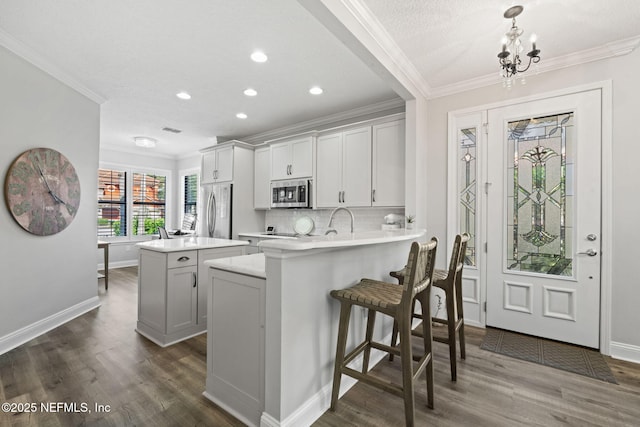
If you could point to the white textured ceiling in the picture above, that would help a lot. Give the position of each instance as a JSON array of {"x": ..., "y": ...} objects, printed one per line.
[
  {"x": 451, "y": 41},
  {"x": 139, "y": 54}
]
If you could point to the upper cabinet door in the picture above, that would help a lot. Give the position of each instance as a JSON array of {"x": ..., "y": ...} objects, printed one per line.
[
  {"x": 302, "y": 158},
  {"x": 207, "y": 172},
  {"x": 292, "y": 159},
  {"x": 217, "y": 166},
  {"x": 224, "y": 164},
  {"x": 388, "y": 164},
  {"x": 343, "y": 169},
  {"x": 328, "y": 186},
  {"x": 356, "y": 167},
  {"x": 280, "y": 160}
]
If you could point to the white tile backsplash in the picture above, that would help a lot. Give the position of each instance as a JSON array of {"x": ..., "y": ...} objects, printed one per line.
[{"x": 365, "y": 219}]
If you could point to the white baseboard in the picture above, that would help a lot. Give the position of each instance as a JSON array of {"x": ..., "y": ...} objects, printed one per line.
[
  {"x": 630, "y": 353},
  {"x": 23, "y": 335},
  {"x": 230, "y": 410},
  {"x": 318, "y": 404},
  {"x": 120, "y": 264}
]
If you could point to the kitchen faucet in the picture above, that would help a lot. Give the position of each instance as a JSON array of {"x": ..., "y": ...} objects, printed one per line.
[{"x": 333, "y": 230}]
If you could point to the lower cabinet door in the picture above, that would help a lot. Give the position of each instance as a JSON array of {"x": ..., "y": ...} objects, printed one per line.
[
  {"x": 203, "y": 276},
  {"x": 182, "y": 298}
]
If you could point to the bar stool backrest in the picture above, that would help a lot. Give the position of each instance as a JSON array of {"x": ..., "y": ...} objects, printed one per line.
[
  {"x": 419, "y": 271},
  {"x": 456, "y": 263}
]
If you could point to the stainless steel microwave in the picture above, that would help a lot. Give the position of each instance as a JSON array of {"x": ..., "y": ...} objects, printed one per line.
[{"x": 291, "y": 194}]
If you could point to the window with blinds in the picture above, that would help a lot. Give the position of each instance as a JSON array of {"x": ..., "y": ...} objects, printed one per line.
[
  {"x": 112, "y": 203},
  {"x": 191, "y": 194},
  {"x": 149, "y": 196}
]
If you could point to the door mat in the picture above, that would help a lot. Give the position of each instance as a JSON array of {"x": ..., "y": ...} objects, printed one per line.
[{"x": 568, "y": 357}]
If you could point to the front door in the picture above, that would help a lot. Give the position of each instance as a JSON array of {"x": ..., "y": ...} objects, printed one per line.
[{"x": 543, "y": 218}]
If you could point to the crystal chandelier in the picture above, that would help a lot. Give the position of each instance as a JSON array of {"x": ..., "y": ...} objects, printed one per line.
[{"x": 509, "y": 57}]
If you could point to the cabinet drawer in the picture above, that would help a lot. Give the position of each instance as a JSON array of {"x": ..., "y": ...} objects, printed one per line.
[{"x": 182, "y": 259}]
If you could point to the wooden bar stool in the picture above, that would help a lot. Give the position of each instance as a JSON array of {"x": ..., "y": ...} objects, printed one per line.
[
  {"x": 450, "y": 281},
  {"x": 395, "y": 301}
]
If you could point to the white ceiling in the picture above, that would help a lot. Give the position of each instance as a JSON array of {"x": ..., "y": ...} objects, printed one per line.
[{"x": 138, "y": 54}]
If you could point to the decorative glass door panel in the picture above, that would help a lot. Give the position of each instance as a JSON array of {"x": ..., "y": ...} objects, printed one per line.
[
  {"x": 467, "y": 187},
  {"x": 539, "y": 199}
]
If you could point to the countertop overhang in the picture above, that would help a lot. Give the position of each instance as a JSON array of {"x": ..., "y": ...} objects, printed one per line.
[
  {"x": 190, "y": 243},
  {"x": 342, "y": 240},
  {"x": 248, "y": 265}
]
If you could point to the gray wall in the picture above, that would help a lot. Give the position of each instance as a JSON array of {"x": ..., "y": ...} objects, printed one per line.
[
  {"x": 622, "y": 71},
  {"x": 42, "y": 276}
]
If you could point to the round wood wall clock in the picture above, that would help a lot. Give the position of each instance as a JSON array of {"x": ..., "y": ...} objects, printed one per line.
[{"x": 42, "y": 191}]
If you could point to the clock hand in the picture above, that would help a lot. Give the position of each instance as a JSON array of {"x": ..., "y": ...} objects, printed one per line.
[{"x": 46, "y": 183}]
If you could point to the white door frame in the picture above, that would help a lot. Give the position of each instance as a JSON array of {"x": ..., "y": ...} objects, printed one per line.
[{"x": 606, "y": 185}]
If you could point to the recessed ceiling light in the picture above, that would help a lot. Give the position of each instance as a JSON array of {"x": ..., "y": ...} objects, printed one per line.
[
  {"x": 315, "y": 90},
  {"x": 241, "y": 115},
  {"x": 183, "y": 95},
  {"x": 144, "y": 141},
  {"x": 250, "y": 92},
  {"x": 258, "y": 56}
]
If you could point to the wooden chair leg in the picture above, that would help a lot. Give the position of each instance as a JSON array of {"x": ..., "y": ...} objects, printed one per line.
[
  {"x": 394, "y": 338},
  {"x": 343, "y": 329},
  {"x": 451, "y": 330},
  {"x": 427, "y": 338},
  {"x": 406, "y": 359},
  {"x": 460, "y": 317},
  {"x": 394, "y": 332},
  {"x": 371, "y": 320}
]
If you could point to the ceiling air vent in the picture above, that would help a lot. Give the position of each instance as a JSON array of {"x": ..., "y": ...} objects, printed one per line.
[{"x": 172, "y": 130}]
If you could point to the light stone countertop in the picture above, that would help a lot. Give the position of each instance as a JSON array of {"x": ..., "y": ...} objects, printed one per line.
[
  {"x": 263, "y": 235},
  {"x": 190, "y": 243},
  {"x": 248, "y": 265},
  {"x": 342, "y": 240}
]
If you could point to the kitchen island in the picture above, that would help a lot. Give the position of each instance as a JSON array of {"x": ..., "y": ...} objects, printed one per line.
[
  {"x": 285, "y": 322},
  {"x": 173, "y": 284}
]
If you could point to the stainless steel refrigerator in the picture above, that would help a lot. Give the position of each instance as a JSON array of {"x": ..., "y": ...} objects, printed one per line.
[{"x": 216, "y": 211}]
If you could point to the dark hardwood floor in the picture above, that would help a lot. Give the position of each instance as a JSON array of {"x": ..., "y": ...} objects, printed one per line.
[{"x": 99, "y": 359}]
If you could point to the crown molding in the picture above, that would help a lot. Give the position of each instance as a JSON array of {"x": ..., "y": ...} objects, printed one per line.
[
  {"x": 382, "y": 37},
  {"x": 31, "y": 56},
  {"x": 311, "y": 125},
  {"x": 609, "y": 50}
]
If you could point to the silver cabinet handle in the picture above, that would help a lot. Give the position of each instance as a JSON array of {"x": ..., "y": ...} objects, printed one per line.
[
  {"x": 343, "y": 193},
  {"x": 589, "y": 252},
  {"x": 183, "y": 258},
  {"x": 373, "y": 195},
  {"x": 195, "y": 279}
]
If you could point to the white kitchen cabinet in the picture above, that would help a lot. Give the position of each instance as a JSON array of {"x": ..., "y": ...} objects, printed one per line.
[
  {"x": 172, "y": 292},
  {"x": 203, "y": 274},
  {"x": 182, "y": 296},
  {"x": 262, "y": 178},
  {"x": 292, "y": 159},
  {"x": 343, "y": 169},
  {"x": 388, "y": 175},
  {"x": 236, "y": 344},
  {"x": 217, "y": 165}
]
